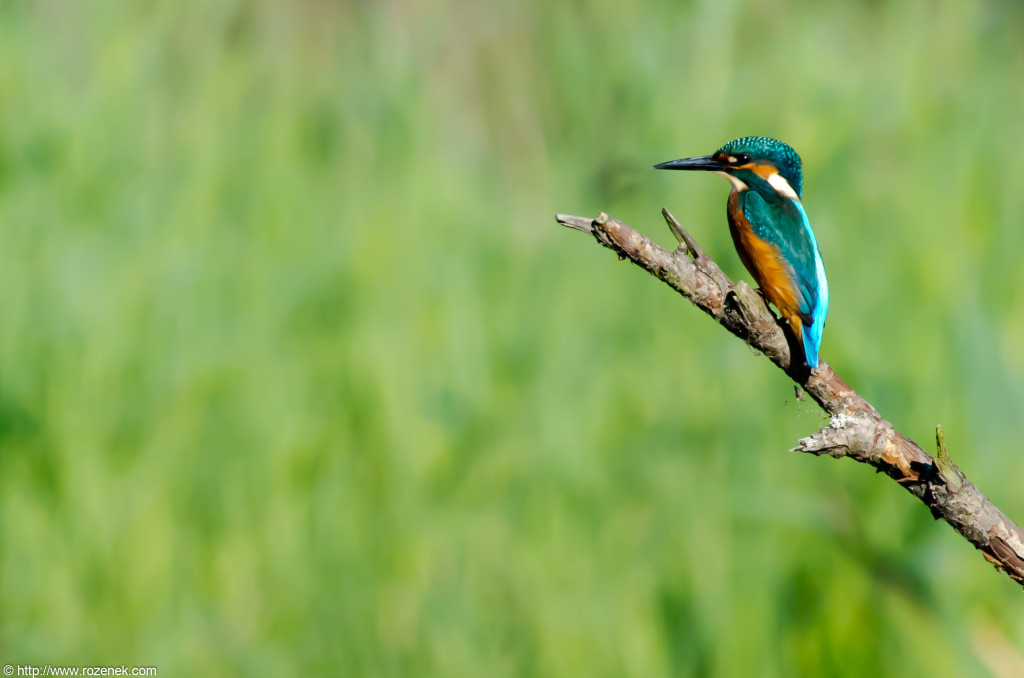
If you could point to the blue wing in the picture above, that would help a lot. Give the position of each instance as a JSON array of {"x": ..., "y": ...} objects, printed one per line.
[{"x": 783, "y": 223}]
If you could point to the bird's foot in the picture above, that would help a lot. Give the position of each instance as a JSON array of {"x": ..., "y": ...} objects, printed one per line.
[{"x": 767, "y": 304}]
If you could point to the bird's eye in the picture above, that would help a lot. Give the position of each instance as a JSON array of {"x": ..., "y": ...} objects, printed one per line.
[{"x": 742, "y": 159}]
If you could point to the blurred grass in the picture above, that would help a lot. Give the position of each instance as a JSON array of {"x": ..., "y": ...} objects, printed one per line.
[{"x": 297, "y": 373}]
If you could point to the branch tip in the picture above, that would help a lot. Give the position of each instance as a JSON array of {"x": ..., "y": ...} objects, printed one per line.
[
  {"x": 577, "y": 223},
  {"x": 677, "y": 230},
  {"x": 948, "y": 471},
  {"x": 685, "y": 240},
  {"x": 940, "y": 444},
  {"x": 817, "y": 444}
]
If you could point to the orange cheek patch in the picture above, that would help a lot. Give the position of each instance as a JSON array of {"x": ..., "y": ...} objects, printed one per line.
[
  {"x": 770, "y": 173},
  {"x": 763, "y": 171}
]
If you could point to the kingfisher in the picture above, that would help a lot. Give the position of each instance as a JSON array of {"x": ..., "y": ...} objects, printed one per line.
[{"x": 771, "y": 232}]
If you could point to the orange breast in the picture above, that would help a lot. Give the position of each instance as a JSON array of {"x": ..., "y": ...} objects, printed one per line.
[{"x": 767, "y": 266}]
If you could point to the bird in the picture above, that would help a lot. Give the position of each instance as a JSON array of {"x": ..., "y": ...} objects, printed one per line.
[{"x": 771, "y": 232}]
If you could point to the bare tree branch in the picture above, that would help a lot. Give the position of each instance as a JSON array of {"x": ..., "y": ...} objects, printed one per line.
[{"x": 856, "y": 430}]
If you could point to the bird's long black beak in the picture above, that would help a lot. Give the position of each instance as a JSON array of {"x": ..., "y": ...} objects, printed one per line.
[{"x": 705, "y": 162}]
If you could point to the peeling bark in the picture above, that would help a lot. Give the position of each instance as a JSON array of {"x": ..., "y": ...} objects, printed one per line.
[{"x": 856, "y": 430}]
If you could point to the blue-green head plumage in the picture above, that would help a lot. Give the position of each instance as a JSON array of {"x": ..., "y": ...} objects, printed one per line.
[{"x": 764, "y": 150}]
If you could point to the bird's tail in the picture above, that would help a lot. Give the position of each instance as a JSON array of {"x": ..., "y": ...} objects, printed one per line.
[{"x": 812, "y": 340}]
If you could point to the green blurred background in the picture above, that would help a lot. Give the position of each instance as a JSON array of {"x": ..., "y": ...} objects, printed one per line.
[{"x": 299, "y": 376}]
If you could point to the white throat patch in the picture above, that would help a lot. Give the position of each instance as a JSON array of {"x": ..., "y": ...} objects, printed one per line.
[{"x": 737, "y": 185}]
